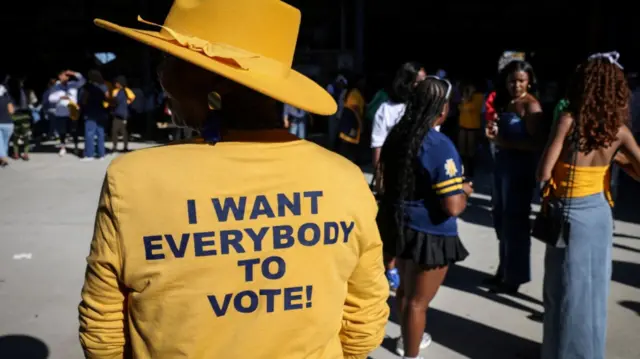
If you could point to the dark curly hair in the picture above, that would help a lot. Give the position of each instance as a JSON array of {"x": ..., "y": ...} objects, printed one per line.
[
  {"x": 401, "y": 146},
  {"x": 404, "y": 81},
  {"x": 598, "y": 97}
]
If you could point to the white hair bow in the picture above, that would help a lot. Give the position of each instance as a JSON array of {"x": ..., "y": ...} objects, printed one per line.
[{"x": 612, "y": 57}]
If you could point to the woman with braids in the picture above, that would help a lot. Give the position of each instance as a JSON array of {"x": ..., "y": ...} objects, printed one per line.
[
  {"x": 518, "y": 141},
  {"x": 389, "y": 113},
  {"x": 424, "y": 193},
  {"x": 583, "y": 143}
]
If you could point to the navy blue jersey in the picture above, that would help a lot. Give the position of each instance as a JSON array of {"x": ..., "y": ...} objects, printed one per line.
[{"x": 440, "y": 175}]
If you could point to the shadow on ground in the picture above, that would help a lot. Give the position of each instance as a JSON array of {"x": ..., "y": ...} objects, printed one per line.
[
  {"x": 626, "y": 273},
  {"x": 22, "y": 347},
  {"x": 625, "y": 236},
  {"x": 622, "y": 246},
  {"x": 631, "y": 305},
  {"x": 470, "y": 339},
  {"x": 469, "y": 280}
]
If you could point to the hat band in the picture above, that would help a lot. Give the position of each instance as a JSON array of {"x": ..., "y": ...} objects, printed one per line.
[{"x": 224, "y": 53}]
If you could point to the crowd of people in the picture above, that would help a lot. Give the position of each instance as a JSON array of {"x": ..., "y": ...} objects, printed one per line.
[
  {"x": 279, "y": 239},
  {"x": 570, "y": 156},
  {"x": 71, "y": 104}
]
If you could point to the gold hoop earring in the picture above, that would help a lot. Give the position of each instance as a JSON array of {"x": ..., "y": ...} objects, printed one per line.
[{"x": 214, "y": 100}]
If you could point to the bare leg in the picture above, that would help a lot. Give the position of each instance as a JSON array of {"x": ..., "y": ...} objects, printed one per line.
[{"x": 420, "y": 288}]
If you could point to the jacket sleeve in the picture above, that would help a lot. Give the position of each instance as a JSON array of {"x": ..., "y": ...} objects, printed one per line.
[
  {"x": 79, "y": 82},
  {"x": 366, "y": 310},
  {"x": 130, "y": 95},
  {"x": 102, "y": 318}
]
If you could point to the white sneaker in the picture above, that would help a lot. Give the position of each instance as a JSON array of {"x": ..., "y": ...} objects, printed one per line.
[
  {"x": 63, "y": 151},
  {"x": 87, "y": 159},
  {"x": 426, "y": 341},
  {"x": 101, "y": 158}
]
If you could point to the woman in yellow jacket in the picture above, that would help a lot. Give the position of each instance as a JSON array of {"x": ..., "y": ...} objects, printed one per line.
[
  {"x": 247, "y": 242},
  {"x": 352, "y": 124},
  {"x": 470, "y": 122}
]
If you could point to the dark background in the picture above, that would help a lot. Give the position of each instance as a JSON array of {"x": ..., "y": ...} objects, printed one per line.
[{"x": 464, "y": 37}]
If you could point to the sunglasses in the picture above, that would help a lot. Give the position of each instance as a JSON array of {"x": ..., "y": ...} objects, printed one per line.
[{"x": 449, "y": 87}]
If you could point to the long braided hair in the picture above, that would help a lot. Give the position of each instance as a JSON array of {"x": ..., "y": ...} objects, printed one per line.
[{"x": 401, "y": 146}]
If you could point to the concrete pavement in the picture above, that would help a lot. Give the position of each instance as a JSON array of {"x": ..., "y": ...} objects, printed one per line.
[{"x": 47, "y": 209}]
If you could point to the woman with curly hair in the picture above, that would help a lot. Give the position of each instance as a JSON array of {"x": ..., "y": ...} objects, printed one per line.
[
  {"x": 584, "y": 141},
  {"x": 424, "y": 192}
]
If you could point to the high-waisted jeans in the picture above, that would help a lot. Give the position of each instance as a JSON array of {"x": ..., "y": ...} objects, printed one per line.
[{"x": 576, "y": 283}]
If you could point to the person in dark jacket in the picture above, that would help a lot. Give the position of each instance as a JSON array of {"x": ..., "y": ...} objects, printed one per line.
[{"x": 122, "y": 97}]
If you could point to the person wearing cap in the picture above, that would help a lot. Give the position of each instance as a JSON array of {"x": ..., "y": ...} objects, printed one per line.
[{"x": 246, "y": 242}]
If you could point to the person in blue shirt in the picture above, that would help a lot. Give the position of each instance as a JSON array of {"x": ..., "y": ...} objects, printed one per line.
[{"x": 424, "y": 191}]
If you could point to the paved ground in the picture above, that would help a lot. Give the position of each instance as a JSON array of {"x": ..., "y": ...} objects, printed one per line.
[{"x": 46, "y": 217}]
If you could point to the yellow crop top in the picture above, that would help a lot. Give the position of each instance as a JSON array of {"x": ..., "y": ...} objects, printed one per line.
[{"x": 584, "y": 181}]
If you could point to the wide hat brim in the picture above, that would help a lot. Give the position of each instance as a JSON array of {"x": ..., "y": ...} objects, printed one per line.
[{"x": 294, "y": 89}]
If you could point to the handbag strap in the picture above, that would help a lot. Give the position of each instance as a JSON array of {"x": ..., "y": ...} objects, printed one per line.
[{"x": 572, "y": 153}]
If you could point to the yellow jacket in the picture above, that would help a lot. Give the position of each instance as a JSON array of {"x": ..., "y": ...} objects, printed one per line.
[
  {"x": 242, "y": 249},
  {"x": 130, "y": 95},
  {"x": 471, "y": 112}
]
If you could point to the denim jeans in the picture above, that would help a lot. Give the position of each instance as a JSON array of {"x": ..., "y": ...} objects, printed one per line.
[
  {"x": 6, "y": 130},
  {"x": 94, "y": 127},
  {"x": 514, "y": 183},
  {"x": 298, "y": 127},
  {"x": 576, "y": 283}
]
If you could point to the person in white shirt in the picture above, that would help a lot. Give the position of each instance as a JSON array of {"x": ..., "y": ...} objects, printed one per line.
[
  {"x": 63, "y": 94},
  {"x": 388, "y": 115},
  {"x": 391, "y": 111}
]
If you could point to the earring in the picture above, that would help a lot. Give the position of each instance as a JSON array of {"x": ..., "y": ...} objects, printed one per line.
[{"x": 214, "y": 100}]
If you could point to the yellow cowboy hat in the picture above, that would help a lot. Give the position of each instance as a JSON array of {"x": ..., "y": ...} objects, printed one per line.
[{"x": 251, "y": 42}]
